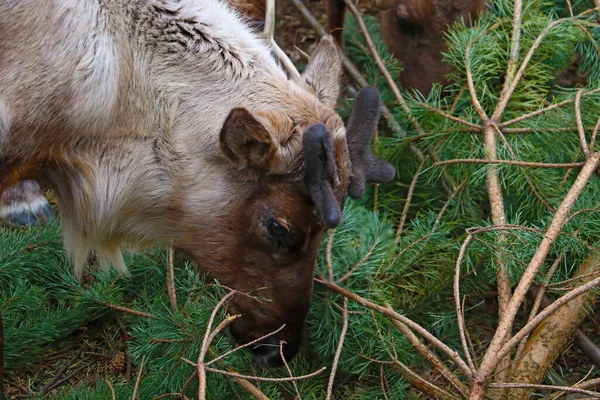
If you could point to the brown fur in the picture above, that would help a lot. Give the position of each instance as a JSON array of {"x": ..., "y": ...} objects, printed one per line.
[
  {"x": 168, "y": 122},
  {"x": 414, "y": 33}
]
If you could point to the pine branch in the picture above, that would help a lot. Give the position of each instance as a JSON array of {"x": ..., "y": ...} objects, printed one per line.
[
  {"x": 496, "y": 350},
  {"x": 389, "y": 312}
]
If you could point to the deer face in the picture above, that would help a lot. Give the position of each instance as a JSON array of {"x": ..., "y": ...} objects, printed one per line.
[{"x": 292, "y": 169}]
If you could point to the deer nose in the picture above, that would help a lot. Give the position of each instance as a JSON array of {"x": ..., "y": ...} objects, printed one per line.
[{"x": 268, "y": 355}]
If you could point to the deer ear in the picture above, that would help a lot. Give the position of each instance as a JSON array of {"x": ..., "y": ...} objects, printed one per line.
[
  {"x": 323, "y": 71},
  {"x": 246, "y": 142}
]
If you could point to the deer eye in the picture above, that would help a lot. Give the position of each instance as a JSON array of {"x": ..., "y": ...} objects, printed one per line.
[{"x": 276, "y": 229}]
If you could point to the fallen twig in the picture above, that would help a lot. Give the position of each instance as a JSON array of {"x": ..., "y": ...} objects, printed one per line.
[
  {"x": 138, "y": 379},
  {"x": 61, "y": 371},
  {"x": 112, "y": 389},
  {"x": 171, "y": 282}
]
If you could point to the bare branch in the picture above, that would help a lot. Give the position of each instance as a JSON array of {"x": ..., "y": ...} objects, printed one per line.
[
  {"x": 509, "y": 162},
  {"x": 493, "y": 354},
  {"x": 244, "y": 345},
  {"x": 545, "y": 387},
  {"x": 472, "y": 91},
  {"x": 281, "y": 343},
  {"x": 471, "y": 126},
  {"x": 543, "y": 110},
  {"x": 411, "y": 191},
  {"x": 594, "y": 133},
  {"x": 582, "y": 139},
  {"x": 208, "y": 336},
  {"x": 128, "y": 310},
  {"x": 257, "y": 378},
  {"x": 269, "y": 32},
  {"x": 338, "y": 352}
]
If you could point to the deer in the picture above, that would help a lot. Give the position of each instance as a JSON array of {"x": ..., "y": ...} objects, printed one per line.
[
  {"x": 171, "y": 123},
  {"x": 414, "y": 32}
]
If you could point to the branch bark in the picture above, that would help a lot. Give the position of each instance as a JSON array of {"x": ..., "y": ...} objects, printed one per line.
[{"x": 550, "y": 337}]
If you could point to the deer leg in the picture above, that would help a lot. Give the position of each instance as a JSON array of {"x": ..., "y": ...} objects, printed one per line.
[{"x": 24, "y": 204}]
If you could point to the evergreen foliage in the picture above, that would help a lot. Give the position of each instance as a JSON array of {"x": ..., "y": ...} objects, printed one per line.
[{"x": 43, "y": 306}]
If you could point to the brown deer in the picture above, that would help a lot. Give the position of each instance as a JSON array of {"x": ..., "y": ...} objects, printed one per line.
[
  {"x": 414, "y": 33},
  {"x": 169, "y": 122}
]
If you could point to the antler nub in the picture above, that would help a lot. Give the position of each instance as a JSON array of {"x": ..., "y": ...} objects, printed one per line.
[
  {"x": 360, "y": 129},
  {"x": 320, "y": 171}
]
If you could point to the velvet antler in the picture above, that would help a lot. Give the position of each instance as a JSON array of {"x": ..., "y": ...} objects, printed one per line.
[
  {"x": 359, "y": 131},
  {"x": 320, "y": 172}
]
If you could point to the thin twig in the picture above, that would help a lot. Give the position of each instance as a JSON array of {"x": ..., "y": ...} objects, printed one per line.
[
  {"x": 358, "y": 264},
  {"x": 509, "y": 162},
  {"x": 431, "y": 357},
  {"x": 472, "y": 127},
  {"x": 128, "y": 310},
  {"x": 338, "y": 352},
  {"x": 388, "y": 311},
  {"x": 250, "y": 388},
  {"x": 582, "y": 139},
  {"x": 328, "y": 256},
  {"x": 592, "y": 383},
  {"x": 138, "y": 379},
  {"x": 471, "y": 85},
  {"x": 502, "y": 125},
  {"x": 512, "y": 83},
  {"x": 244, "y": 345},
  {"x": 257, "y": 378},
  {"x": 287, "y": 367},
  {"x": 112, "y": 389},
  {"x": 171, "y": 282},
  {"x": 545, "y": 387},
  {"x": 513, "y": 58},
  {"x": 208, "y": 335},
  {"x": 383, "y": 382},
  {"x": 426, "y": 386},
  {"x": 594, "y": 133},
  {"x": 462, "y": 327},
  {"x": 409, "y": 196},
  {"x": 269, "y": 32}
]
